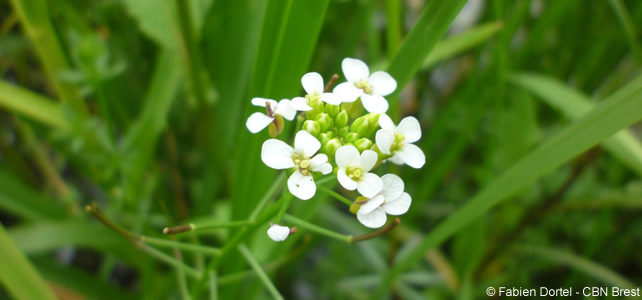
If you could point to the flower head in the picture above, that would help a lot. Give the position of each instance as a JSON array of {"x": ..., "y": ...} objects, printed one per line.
[
  {"x": 371, "y": 88},
  {"x": 354, "y": 170},
  {"x": 278, "y": 233},
  {"x": 391, "y": 200},
  {"x": 397, "y": 141},
  {"x": 285, "y": 108},
  {"x": 279, "y": 155},
  {"x": 313, "y": 85}
]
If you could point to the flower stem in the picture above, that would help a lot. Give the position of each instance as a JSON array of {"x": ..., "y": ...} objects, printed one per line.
[
  {"x": 268, "y": 195},
  {"x": 382, "y": 231},
  {"x": 192, "y": 227},
  {"x": 335, "y": 195},
  {"x": 287, "y": 199},
  {"x": 331, "y": 83},
  {"x": 185, "y": 246},
  {"x": 318, "y": 229},
  {"x": 259, "y": 271},
  {"x": 160, "y": 255}
]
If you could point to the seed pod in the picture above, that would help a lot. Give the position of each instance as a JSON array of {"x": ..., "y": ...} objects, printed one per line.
[
  {"x": 363, "y": 144},
  {"x": 312, "y": 127},
  {"x": 325, "y": 121},
  {"x": 341, "y": 119}
]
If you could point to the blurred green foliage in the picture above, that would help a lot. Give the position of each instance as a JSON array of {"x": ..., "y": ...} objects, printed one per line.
[{"x": 140, "y": 105}]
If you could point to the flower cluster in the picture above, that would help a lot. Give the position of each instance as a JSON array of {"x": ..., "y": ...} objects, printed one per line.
[{"x": 336, "y": 135}]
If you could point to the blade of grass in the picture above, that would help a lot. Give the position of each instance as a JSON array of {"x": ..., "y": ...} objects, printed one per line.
[
  {"x": 31, "y": 105},
  {"x": 573, "y": 104},
  {"x": 23, "y": 201},
  {"x": 584, "y": 265},
  {"x": 18, "y": 275},
  {"x": 430, "y": 27},
  {"x": 629, "y": 27},
  {"x": 615, "y": 113},
  {"x": 259, "y": 271},
  {"x": 462, "y": 42}
]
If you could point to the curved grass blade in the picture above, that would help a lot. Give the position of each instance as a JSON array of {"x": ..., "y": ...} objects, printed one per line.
[
  {"x": 618, "y": 111},
  {"x": 31, "y": 105}
]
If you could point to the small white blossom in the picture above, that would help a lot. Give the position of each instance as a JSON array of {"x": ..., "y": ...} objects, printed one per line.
[
  {"x": 391, "y": 200},
  {"x": 313, "y": 85},
  {"x": 279, "y": 155},
  {"x": 278, "y": 233},
  {"x": 397, "y": 140},
  {"x": 354, "y": 170},
  {"x": 370, "y": 87},
  {"x": 285, "y": 108}
]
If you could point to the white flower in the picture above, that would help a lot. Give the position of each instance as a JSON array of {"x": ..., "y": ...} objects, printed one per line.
[
  {"x": 392, "y": 200},
  {"x": 313, "y": 85},
  {"x": 354, "y": 170},
  {"x": 397, "y": 141},
  {"x": 286, "y": 108},
  {"x": 278, "y": 233},
  {"x": 279, "y": 155},
  {"x": 370, "y": 87}
]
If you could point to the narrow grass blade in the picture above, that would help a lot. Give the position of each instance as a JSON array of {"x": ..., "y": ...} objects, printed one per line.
[
  {"x": 462, "y": 42},
  {"x": 19, "y": 199},
  {"x": 629, "y": 28},
  {"x": 584, "y": 265},
  {"x": 615, "y": 113},
  {"x": 31, "y": 105},
  {"x": 573, "y": 104},
  {"x": 18, "y": 275},
  {"x": 259, "y": 271}
]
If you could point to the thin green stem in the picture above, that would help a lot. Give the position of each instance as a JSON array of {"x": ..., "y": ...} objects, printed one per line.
[
  {"x": 318, "y": 229},
  {"x": 213, "y": 285},
  {"x": 335, "y": 195},
  {"x": 287, "y": 199},
  {"x": 393, "y": 26},
  {"x": 193, "y": 227},
  {"x": 180, "y": 276},
  {"x": 259, "y": 271},
  {"x": 268, "y": 195},
  {"x": 184, "y": 246},
  {"x": 160, "y": 255},
  {"x": 192, "y": 54},
  {"x": 626, "y": 22}
]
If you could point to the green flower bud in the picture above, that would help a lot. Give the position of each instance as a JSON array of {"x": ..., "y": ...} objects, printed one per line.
[
  {"x": 363, "y": 144},
  {"x": 315, "y": 103},
  {"x": 354, "y": 109},
  {"x": 341, "y": 119},
  {"x": 325, "y": 121},
  {"x": 275, "y": 129},
  {"x": 331, "y": 146},
  {"x": 360, "y": 125},
  {"x": 351, "y": 137},
  {"x": 312, "y": 127},
  {"x": 356, "y": 205},
  {"x": 325, "y": 137},
  {"x": 373, "y": 124},
  {"x": 343, "y": 131},
  {"x": 332, "y": 110}
]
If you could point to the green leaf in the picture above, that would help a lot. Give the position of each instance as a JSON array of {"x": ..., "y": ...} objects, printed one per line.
[
  {"x": 157, "y": 19},
  {"x": 21, "y": 200},
  {"x": 618, "y": 111},
  {"x": 462, "y": 42},
  {"x": 573, "y": 104},
  {"x": 584, "y": 265},
  {"x": 32, "y": 105},
  {"x": 18, "y": 275}
]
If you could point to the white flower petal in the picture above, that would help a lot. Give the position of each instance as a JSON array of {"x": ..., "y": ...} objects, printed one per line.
[
  {"x": 354, "y": 69},
  {"x": 368, "y": 160},
  {"x": 300, "y": 104},
  {"x": 375, "y": 219},
  {"x": 369, "y": 185},
  {"x": 410, "y": 128},
  {"x": 305, "y": 143},
  {"x": 347, "y": 156},
  {"x": 371, "y": 205},
  {"x": 382, "y": 83},
  {"x": 411, "y": 155},
  {"x": 347, "y": 92},
  {"x": 374, "y": 103},
  {"x": 392, "y": 186},
  {"x": 396, "y": 159},
  {"x": 319, "y": 163},
  {"x": 278, "y": 233},
  {"x": 312, "y": 83},
  {"x": 258, "y": 101},
  {"x": 386, "y": 123},
  {"x": 301, "y": 186},
  {"x": 345, "y": 181},
  {"x": 331, "y": 98},
  {"x": 257, "y": 121},
  {"x": 384, "y": 139},
  {"x": 277, "y": 155},
  {"x": 398, "y": 206},
  {"x": 285, "y": 109}
]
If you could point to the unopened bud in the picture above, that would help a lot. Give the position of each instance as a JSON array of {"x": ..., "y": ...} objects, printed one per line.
[
  {"x": 363, "y": 144},
  {"x": 332, "y": 110},
  {"x": 341, "y": 119},
  {"x": 356, "y": 205},
  {"x": 351, "y": 137},
  {"x": 325, "y": 121},
  {"x": 331, "y": 146},
  {"x": 373, "y": 124},
  {"x": 325, "y": 136},
  {"x": 312, "y": 127},
  {"x": 276, "y": 127},
  {"x": 354, "y": 109},
  {"x": 360, "y": 126},
  {"x": 343, "y": 131}
]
